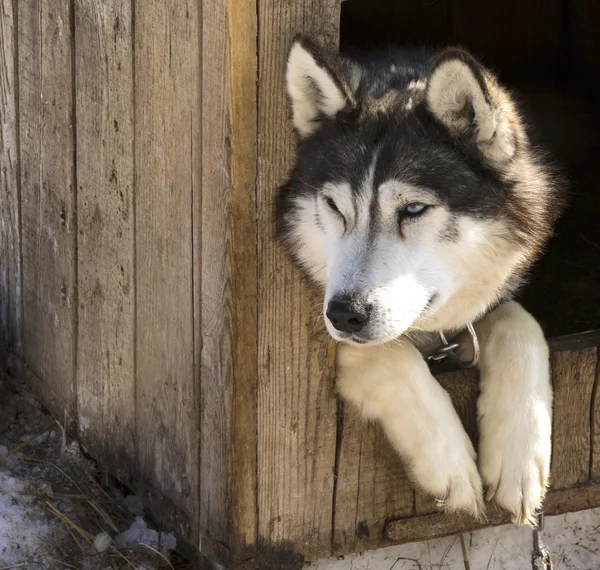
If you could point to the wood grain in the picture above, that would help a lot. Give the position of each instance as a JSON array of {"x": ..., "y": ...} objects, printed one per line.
[
  {"x": 372, "y": 485},
  {"x": 10, "y": 222},
  {"x": 229, "y": 278},
  {"x": 437, "y": 525},
  {"x": 296, "y": 398},
  {"x": 166, "y": 177},
  {"x": 574, "y": 375},
  {"x": 49, "y": 218},
  {"x": 105, "y": 245}
]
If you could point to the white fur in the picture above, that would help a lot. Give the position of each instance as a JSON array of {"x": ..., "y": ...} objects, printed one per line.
[
  {"x": 392, "y": 383},
  {"x": 396, "y": 269},
  {"x": 515, "y": 411},
  {"x": 452, "y": 86},
  {"x": 303, "y": 76},
  {"x": 398, "y": 276}
]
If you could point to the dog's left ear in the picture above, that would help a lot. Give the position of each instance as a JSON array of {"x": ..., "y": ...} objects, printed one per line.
[
  {"x": 315, "y": 84},
  {"x": 467, "y": 99}
]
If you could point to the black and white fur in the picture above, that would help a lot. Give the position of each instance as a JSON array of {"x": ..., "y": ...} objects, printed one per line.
[{"x": 418, "y": 203}]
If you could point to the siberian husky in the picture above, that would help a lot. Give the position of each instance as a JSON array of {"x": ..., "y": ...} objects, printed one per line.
[{"x": 418, "y": 203}]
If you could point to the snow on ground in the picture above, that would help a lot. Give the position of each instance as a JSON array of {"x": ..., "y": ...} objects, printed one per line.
[
  {"x": 54, "y": 513},
  {"x": 22, "y": 532}
]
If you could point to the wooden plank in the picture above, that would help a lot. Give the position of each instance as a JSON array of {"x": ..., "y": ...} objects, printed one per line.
[
  {"x": 166, "y": 178},
  {"x": 10, "y": 231},
  {"x": 105, "y": 358},
  {"x": 49, "y": 218},
  {"x": 438, "y": 525},
  {"x": 228, "y": 279},
  {"x": 574, "y": 375},
  {"x": 296, "y": 398},
  {"x": 371, "y": 485}
]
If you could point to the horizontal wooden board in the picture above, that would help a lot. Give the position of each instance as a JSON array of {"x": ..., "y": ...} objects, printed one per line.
[{"x": 438, "y": 525}]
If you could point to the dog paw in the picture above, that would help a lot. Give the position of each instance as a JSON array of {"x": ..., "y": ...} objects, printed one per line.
[
  {"x": 515, "y": 467},
  {"x": 448, "y": 472}
]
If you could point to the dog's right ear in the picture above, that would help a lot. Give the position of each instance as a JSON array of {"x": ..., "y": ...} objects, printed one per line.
[{"x": 315, "y": 85}]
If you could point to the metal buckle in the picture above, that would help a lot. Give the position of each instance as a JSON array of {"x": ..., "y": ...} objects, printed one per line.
[{"x": 450, "y": 350}]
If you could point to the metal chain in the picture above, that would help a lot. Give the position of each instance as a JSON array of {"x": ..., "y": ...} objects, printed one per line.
[
  {"x": 450, "y": 350},
  {"x": 541, "y": 559}
]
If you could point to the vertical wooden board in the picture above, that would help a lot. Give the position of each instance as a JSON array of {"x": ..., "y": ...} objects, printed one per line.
[
  {"x": 573, "y": 374},
  {"x": 296, "y": 399},
  {"x": 371, "y": 487},
  {"x": 523, "y": 39},
  {"x": 10, "y": 241},
  {"x": 166, "y": 177},
  {"x": 104, "y": 100},
  {"x": 48, "y": 215},
  {"x": 216, "y": 358},
  {"x": 228, "y": 277},
  {"x": 595, "y": 425}
]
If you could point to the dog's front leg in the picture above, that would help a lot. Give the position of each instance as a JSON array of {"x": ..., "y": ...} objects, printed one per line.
[
  {"x": 515, "y": 411},
  {"x": 393, "y": 384}
]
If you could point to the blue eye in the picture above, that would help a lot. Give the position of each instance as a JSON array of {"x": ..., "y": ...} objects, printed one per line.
[{"x": 415, "y": 209}]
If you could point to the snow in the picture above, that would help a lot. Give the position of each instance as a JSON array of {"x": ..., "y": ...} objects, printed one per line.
[
  {"x": 139, "y": 533},
  {"x": 22, "y": 531}
]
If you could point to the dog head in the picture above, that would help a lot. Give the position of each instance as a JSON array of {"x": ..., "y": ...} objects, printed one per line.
[{"x": 416, "y": 199}]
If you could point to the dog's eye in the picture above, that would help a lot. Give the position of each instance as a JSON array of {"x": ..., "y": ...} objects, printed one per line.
[
  {"x": 414, "y": 209},
  {"x": 332, "y": 206}
]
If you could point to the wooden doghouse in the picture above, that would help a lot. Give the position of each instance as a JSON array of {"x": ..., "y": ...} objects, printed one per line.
[{"x": 142, "y": 295}]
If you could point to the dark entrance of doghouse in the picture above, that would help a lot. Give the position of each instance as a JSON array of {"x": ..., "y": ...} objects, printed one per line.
[{"x": 549, "y": 51}]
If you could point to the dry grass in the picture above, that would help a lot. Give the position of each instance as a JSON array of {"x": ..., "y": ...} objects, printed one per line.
[{"x": 68, "y": 493}]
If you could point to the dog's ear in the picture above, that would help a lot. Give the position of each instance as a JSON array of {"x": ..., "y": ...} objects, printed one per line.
[
  {"x": 315, "y": 85},
  {"x": 467, "y": 99}
]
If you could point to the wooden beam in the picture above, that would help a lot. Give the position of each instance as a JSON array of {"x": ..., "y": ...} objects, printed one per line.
[
  {"x": 48, "y": 213},
  {"x": 106, "y": 241},
  {"x": 574, "y": 376},
  {"x": 296, "y": 394},
  {"x": 228, "y": 280},
  {"x": 438, "y": 525},
  {"x": 166, "y": 177}
]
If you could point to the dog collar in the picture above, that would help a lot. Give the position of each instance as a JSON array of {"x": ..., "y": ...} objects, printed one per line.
[{"x": 449, "y": 349}]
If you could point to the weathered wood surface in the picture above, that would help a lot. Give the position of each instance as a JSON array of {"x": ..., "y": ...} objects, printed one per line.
[
  {"x": 166, "y": 176},
  {"x": 105, "y": 242},
  {"x": 436, "y": 525},
  {"x": 574, "y": 462},
  {"x": 228, "y": 516},
  {"x": 296, "y": 400},
  {"x": 142, "y": 144},
  {"x": 574, "y": 378},
  {"x": 48, "y": 219},
  {"x": 10, "y": 225}
]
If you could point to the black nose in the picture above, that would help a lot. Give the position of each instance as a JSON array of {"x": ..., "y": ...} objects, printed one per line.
[{"x": 348, "y": 315}]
